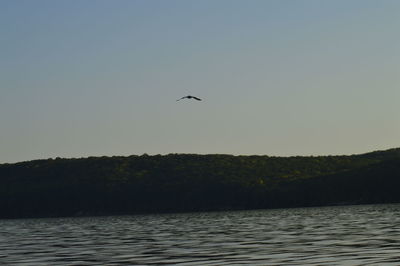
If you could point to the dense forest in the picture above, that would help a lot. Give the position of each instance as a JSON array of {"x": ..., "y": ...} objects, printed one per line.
[{"x": 190, "y": 182}]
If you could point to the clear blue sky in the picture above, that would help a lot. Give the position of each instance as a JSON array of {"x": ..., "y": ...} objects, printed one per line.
[{"x": 278, "y": 77}]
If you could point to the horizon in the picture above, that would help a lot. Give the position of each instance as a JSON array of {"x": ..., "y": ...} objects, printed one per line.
[
  {"x": 277, "y": 78},
  {"x": 200, "y": 154}
]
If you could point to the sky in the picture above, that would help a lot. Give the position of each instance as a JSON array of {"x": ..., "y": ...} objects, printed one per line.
[{"x": 277, "y": 77}]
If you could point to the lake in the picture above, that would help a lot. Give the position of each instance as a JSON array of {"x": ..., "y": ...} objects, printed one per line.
[{"x": 344, "y": 235}]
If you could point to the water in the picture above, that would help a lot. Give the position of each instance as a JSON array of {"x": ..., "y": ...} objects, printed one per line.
[{"x": 347, "y": 235}]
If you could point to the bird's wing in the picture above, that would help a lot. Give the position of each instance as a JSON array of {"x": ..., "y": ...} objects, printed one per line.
[
  {"x": 182, "y": 98},
  {"x": 196, "y": 98}
]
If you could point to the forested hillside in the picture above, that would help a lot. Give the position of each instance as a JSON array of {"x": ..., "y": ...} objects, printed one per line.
[{"x": 190, "y": 182}]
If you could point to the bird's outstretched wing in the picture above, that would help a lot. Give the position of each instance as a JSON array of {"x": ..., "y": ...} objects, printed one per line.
[
  {"x": 182, "y": 98},
  {"x": 196, "y": 98}
]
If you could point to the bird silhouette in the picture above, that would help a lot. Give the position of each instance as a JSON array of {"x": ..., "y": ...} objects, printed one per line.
[{"x": 189, "y": 97}]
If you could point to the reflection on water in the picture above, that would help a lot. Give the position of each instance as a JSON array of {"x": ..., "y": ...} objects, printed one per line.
[{"x": 348, "y": 235}]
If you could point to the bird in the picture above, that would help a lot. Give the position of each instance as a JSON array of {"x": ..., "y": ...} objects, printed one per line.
[{"x": 189, "y": 97}]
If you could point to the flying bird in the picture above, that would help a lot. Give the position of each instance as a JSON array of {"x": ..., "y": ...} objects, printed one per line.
[{"x": 189, "y": 97}]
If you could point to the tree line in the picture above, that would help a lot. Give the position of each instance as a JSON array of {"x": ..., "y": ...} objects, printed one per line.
[{"x": 191, "y": 182}]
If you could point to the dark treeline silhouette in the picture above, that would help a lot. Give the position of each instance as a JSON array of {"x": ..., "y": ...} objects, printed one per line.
[{"x": 189, "y": 182}]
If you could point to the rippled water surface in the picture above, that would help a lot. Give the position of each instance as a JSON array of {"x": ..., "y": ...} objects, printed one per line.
[{"x": 348, "y": 235}]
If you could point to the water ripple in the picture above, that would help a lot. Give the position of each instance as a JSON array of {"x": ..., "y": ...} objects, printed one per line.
[{"x": 351, "y": 235}]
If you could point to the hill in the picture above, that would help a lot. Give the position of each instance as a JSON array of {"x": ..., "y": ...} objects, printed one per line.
[{"x": 190, "y": 182}]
